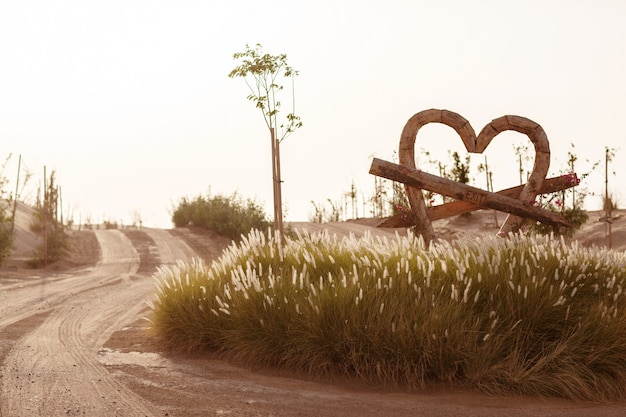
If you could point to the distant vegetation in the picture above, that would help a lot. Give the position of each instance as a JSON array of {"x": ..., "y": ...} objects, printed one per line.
[
  {"x": 6, "y": 234},
  {"x": 6, "y": 219},
  {"x": 387, "y": 198},
  {"x": 48, "y": 223},
  {"x": 229, "y": 216},
  {"x": 523, "y": 315}
]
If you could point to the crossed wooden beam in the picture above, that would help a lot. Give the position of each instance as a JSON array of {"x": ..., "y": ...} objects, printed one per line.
[
  {"x": 517, "y": 201},
  {"x": 470, "y": 198}
]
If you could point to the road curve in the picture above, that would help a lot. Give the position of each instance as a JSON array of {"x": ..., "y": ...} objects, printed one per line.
[{"x": 54, "y": 369}]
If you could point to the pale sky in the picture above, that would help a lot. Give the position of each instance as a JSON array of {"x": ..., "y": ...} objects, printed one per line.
[{"x": 130, "y": 102}]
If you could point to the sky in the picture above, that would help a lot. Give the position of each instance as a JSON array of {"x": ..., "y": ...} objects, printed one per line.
[{"x": 130, "y": 103}]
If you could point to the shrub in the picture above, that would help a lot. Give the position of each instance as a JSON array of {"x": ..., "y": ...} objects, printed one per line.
[
  {"x": 48, "y": 223},
  {"x": 6, "y": 222},
  {"x": 556, "y": 203},
  {"x": 57, "y": 241},
  {"x": 6, "y": 239},
  {"x": 228, "y": 216},
  {"x": 575, "y": 215},
  {"x": 523, "y": 315}
]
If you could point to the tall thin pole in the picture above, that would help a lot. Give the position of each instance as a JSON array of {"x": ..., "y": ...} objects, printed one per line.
[
  {"x": 607, "y": 200},
  {"x": 279, "y": 185},
  {"x": 278, "y": 215},
  {"x": 489, "y": 176},
  {"x": 273, "y": 175},
  {"x": 60, "y": 206},
  {"x": 17, "y": 189},
  {"x": 45, "y": 217}
]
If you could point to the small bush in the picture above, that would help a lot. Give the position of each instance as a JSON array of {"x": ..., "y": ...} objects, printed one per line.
[
  {"x": 556, "y": 203},
  {"x": 57, "y": 243},
  {"x": 6, "y": 240},
  {"x": 576, "y": 216},
  {"x": 523, "y": 315},
  {"x": 109, "y": 225},
  {"x": 228, "y": 216}
]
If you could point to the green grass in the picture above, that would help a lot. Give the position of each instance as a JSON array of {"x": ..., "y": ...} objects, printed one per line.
[{"x": 524, "y": 315}]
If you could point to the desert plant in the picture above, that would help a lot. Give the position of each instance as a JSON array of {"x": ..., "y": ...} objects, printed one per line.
[
  {"x": 570, "y": 208},
  {"x": 322, "y": 215},
  {"x": 524, "y": 315},
  {"x": 379, "y": 197},
  {"x": 460, "y": 169},
  {"x": 6, "y": 238},
  {"x": 6, "y": 227},
  {"x": 229, "y": 216},
  {"x": 523, "y": 156},
  {"x": 484, "y": 167},
  {"x": 261, "y": 72},
  {"x": 352, "y": 198},
  {"x": 20, "y": 185},
  {"x": 109, "y": 225},
  {"x": 575, "y": 197},
  {"x": 319, "y": 213},
  {"x": 399, "y": 200},
  {"x": 49, "y": 224},
  {"x": 6, "y": 234},
  {"x": 576, "y": 216}
]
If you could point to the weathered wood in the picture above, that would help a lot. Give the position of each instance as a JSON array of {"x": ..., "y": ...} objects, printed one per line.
[
  {"x": 422, "y": 180},
  {"x": 474, "y": 144},
  {"x": 455, "y": 208}
]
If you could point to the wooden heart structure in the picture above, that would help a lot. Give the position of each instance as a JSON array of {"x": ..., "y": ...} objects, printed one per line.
[{"x": 519, "y": 202}]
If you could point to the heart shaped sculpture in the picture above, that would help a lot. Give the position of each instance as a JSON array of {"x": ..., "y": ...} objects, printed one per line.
[{"x": 473, "y": 144}]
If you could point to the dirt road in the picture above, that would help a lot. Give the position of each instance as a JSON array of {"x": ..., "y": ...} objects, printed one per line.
[{"x": 75, "y": 343}]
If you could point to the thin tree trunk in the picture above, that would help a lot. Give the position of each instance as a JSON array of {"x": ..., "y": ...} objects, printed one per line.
[
  {"x": 607, "y": 201},
  {"x": 17, "y": 190},
  {"x": 45, "y": 218},
  {"x": 278, "y": 213},
  {"x": 279, "y": 184},
  {"x": 274, "y": 191},
  {"x": 60, "y": 207}
]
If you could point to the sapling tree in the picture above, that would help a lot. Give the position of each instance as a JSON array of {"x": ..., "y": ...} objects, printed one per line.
[
  {"x": 6, "y": 232},
  {"x": 609, "y": 204},
  {"x": 460, "y": 169},
  {"x": 377, "y": 199},
  {"x": 523, "y": 156},
  {"x": 49, "y": 223},
  {"x": 429, "y": 196},
  {"x": 352, "y": 197},
  {"x": 320, "y": 213},
  {"x": 19, "y": 188},
  {"x": 263, "y": 74},
  {"x": 607, "y": 201},
  {"x": 558, "y": 201}
]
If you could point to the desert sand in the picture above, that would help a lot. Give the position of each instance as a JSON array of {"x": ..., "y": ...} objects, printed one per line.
[{"x": 74, "y": 339}]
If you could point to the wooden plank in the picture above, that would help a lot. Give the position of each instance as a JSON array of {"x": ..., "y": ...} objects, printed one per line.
[
  {"x": 455, "y": 208},
  {"x": 458, "y": 191}
]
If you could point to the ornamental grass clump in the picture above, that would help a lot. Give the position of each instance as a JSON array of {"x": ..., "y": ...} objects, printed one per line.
[{"x": 523, "y": 315}]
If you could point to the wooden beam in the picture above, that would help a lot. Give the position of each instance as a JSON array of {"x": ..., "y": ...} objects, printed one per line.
[
  {"x": 455, "y": 208},
  {"x": 458, "y": 191}
]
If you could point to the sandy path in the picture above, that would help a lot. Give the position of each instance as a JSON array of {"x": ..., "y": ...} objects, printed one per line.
[
  {"x": 170, "y": 249},
  {"x": 54, "y": 370}
]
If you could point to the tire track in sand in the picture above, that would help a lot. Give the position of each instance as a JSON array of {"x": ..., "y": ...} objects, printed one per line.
[{"x": 54, "y": 371}]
